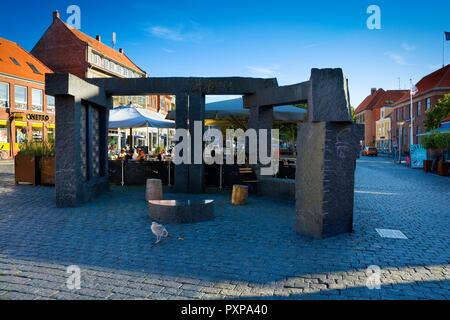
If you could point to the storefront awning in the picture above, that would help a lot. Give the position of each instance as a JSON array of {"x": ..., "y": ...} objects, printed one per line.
[{"x": 445, "y": 128}]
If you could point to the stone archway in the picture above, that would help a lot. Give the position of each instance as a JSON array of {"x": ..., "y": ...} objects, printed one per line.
[{"x": 82, "y": 107}]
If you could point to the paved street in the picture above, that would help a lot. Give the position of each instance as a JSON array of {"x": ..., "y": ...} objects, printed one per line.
[{"x": 246, "y": 252}]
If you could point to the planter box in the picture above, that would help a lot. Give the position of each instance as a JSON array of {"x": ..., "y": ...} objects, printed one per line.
[
  {"x": 25, "y": 169},
  {"x": 48, "y": 168},
  {"x": 427, "y": 165},
  {"x": 443, "y": 168}
]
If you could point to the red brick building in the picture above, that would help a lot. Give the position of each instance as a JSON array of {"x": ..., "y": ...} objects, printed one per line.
[
  {"x": 26, "y": 113},
  {"x": 431, "y": 88},
  {"x": 66, "y": 49},
  {"x": 369, "y": 111}
]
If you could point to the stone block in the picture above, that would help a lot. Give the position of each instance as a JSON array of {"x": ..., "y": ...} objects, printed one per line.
[
  {"x": 329, "y": 98},
  {"x": 326, "y": 165}
]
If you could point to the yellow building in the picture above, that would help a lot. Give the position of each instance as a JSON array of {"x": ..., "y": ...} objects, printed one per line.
[{"x": 383, "y": 130}]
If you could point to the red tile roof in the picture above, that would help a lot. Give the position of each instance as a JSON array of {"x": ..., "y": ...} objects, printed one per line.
[
  {"x": 105, "y": 50},
  {"x": 390, "y": 97},
  {"x": 437, "y": 79},
  {"x": 369, "y": 101},
  {"x": 380, "y": 99},
  {"x": 27, "y": 67}
]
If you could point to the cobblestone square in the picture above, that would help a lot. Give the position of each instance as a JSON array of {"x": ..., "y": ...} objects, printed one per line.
[{"x": 248, "y": 252}]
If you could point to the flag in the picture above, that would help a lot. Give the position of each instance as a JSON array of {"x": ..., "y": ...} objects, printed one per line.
[
  {"x": 414, "y": 90},
  {"x": 447, "y": 36}
]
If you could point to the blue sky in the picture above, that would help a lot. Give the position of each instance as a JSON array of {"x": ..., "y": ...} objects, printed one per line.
[{"x": 282, "y": 39}]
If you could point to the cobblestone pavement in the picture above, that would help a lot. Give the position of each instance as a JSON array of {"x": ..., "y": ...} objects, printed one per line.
[{"x": 246, "y": 252}]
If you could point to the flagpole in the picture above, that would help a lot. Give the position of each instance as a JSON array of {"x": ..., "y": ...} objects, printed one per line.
[
  {"x": 411, "y": 130},
  {"x": 443, "y": 50}
]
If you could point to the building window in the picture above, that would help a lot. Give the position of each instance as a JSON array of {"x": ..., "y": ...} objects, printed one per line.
[
  {"x": 3, "y": 133},
  {"x": 37, "y": 134},
  {"x": 36, "y": 100},
  {"x": 419, "y": 106},
  {"x": 4, "y": 95},
  {"x": 50, "y": 134},
  {"x": 96, "y": 59},
  {"x": 50, "y": 104},
  {"x": 14, "y": 60},
  {"x": 428, "y": 103},
  {"x": 33, "y": 67},
  {"x": 21, "y": 134},
  {"x": 161, "y": 104},
  {"x": 20, "y": 97}
]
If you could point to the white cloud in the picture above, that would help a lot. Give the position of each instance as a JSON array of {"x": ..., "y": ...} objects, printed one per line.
[
  {"x": 312, "y": 45},
  {"x": 263, "y": 72},
  {"x": 408, "y": 47},
  {"x": 397, "y": 58},
  {"x": 168, "y": 50},
  {"x": 166, "y": 33},
  {"x": 179, "y": 33}
]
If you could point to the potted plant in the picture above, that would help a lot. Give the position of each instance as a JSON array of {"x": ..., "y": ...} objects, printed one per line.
[
  {"x": 428, "y": 143},
  {"x": 26, "y": 163},
  {"x": 442, "y": 142},
  {"x": 47, "y": 164}
]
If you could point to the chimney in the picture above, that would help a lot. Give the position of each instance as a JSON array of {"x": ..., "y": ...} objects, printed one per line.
[
  {"x": 56, "y": 15},
  {"x": 373, "y": 90},
  {"x": 98, "y": 38},
  {"x": 121, "y": 51}
]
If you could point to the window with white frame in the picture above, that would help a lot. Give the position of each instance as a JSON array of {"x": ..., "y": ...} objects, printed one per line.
[
  {"x": 36, "y": 100},
  {"x": 50, "y": 104},
  {"x": 96, "y": 59},
  {"x": 428, "y": 103},
  {"x": 419, "y": 107},
  {"x": 4, "y": 95},
  {"x": 21, "y": 97}
]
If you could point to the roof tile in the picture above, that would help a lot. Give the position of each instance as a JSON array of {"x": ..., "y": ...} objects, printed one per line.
[{"x": 26, "y": 62}]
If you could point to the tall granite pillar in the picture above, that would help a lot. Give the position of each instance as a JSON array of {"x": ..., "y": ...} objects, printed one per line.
[
  {"x": 181, "y": 122},
  {"x": 81, "y": 139},
  {"x": 326, "y": 159},
  {"x": 68, "y": 162},
  {"x": 196, "y": 118}
]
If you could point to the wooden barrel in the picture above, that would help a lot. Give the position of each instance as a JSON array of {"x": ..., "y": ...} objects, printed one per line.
[
  {"x": 154, "y": 190},
  {"x": 239, "y": 195}
]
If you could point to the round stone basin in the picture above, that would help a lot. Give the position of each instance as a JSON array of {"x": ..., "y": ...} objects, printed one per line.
[{"x": 181, "y": 211}]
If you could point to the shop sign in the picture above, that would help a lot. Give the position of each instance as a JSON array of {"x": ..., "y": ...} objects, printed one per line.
[{"x": 37, "y": 117}]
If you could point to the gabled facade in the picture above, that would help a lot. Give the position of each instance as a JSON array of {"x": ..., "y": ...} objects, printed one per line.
[
  {"x": 374, "y": 108},
  {"x": 66, "y": 49},
  {"x": 430, "y": 88},
  {"x": 26, "y": 113}
]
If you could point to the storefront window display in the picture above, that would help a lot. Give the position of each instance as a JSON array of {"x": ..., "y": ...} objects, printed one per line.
[
  {"x": 37, "y": 134},
  {"x": 21, "y": 134}
]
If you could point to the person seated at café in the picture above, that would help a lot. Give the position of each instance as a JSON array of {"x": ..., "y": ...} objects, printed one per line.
[
  {"x": 141, "y": 156},
  {"x": 136, "y": 153},
  {"x": 161, "y": 155},
  {"x": 129, "y": 155},
  {"x": 122, "y": 154}
]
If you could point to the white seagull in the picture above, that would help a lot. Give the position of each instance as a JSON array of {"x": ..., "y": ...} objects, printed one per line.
[{"x": 159, "y": 231}]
